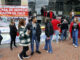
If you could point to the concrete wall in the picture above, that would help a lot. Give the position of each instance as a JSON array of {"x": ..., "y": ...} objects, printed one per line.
[
  {"x": 2, "y": 2},
  {"x": 24, "y": 2}
]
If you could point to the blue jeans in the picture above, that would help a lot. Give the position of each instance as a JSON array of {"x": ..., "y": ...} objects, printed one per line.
[
  {"x": 75, "y": 37},
  {"x": 64, "y": 34},
  {"x": 57, "y": 35},
  {"x": 48, "y": 44},
  {"x": 34, "y": 38}
]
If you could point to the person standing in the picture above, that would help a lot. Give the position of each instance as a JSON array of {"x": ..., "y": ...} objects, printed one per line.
[
  {"x": 24, "y": 39},
  {"x": 49, "y": 35},
  {"x": 13, "y": 33},
  {"x": 64, "y": 28},
  {"x": 35, "y": 29},
  {"x": 0, "y": 38},
  {"x": 50, "y": 14},
  {"x": 42, "y": 11},
  {"x": 75, "y": 31},
  {"x": 55, "y": 24}
]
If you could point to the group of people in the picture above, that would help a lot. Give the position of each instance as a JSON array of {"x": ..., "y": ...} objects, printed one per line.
[
  {"x": 45, "y": 13},
  {"x": 32, "y": 31}
]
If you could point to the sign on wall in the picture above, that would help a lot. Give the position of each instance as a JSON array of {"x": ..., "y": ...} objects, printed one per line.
[{"x": 13, "y": 11}]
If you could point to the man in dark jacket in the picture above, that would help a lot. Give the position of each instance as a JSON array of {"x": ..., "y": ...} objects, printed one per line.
[{"x": 35, "y": 29}]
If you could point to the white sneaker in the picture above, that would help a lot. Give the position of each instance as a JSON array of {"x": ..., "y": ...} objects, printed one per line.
[
  {"x": 76, "y": 46},
  {"x": 73, "y": 44}
]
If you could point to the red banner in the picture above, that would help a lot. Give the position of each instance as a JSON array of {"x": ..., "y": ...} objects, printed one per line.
[{"x": 14, "y": 11}]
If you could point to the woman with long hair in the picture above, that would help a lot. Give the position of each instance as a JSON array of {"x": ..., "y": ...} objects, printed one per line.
[
  {"x": 74, "y": 30},
  {"x": 24, "y": 39},
  {"x": 13, "y": 33}
]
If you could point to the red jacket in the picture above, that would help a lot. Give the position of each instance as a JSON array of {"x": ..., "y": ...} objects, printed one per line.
[
  {"x": 51, "y": 14},
  {"x": 55, "y": 23},
  {"x": 45, "y": 13},
  {"x": 70, "y": 30}
]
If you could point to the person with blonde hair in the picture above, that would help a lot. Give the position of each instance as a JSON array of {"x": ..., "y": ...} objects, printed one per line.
[
  {"x": 74, "y": 31},
  {"x": 13, "y": 33}
]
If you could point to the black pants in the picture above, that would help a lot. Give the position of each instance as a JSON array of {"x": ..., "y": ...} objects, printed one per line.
[
  {"x": 13, "y": 41},
  {"x": 25, "y": 49}
]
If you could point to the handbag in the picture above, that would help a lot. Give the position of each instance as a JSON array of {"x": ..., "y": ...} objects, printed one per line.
[{"x": 17, "y": 33}]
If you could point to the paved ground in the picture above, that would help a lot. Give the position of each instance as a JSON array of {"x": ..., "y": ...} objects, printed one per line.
[{"x": 62, "y": 51}]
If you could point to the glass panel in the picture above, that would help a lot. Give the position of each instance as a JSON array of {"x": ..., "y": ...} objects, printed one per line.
[{"x": 13, "y": 2}]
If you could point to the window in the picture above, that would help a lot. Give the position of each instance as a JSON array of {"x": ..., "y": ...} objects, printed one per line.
[
  {"x": 13, "y": 2},
  {"x": 59, "y": 6}
]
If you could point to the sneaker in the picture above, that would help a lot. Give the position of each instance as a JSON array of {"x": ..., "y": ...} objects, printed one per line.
[
  {"x": 45, "y": 49},
  {"x": 49, "y": 52},
  {"x": 20, "y": 57},
  {"x": 76, "y": 46},
  {"x": 32, "y": 53},
  {"x": 38, "y": 52},
  {"x": 73, "y": 44},
  {"x": 26, "y": 56}
]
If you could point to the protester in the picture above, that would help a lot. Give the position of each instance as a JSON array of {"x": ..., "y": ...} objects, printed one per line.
[
  {"x": 13, "y": 33},
  {"x": 55, "y": 23},
  {"x": 35, "y": 29},
  {"x": 75, "y": 31},
  {"x": 49, "y": 35},
  {"x": 24, "y": 39},
  {"x": 64, "y": 29}
]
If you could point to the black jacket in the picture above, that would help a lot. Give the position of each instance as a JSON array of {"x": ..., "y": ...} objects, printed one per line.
[
  {"x": 38, "y": 30},
  {"x": 13, "y": 30},
  {"x": 64, "y": 25},
  {"x": 48, "y": 29},
  {"x": 42, "y": 11}
]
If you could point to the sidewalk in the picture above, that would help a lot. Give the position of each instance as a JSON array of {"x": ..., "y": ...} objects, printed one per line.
[{"x": 62, "y": 51}]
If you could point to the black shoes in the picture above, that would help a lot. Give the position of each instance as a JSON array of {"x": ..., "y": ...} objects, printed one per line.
[
  {"x": 15, "y": 46},
  {"x": 11, "y": 48},
  {"x": 20, "y": 57},
  {"x": 26, "y": 56},
  {"x": 38, "y": 52},
  {"x": 32, "y": 53}
]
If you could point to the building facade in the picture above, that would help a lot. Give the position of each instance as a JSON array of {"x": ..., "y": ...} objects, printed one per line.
[
  {"x": 56, "y": 5},
  {"x": 13, "y": 2}
]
